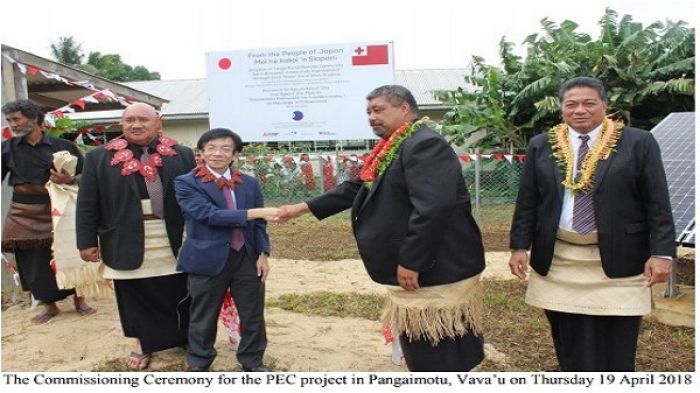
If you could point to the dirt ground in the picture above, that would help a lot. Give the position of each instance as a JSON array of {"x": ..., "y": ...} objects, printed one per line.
[
  {"x": 296, "y": 342},
  {"x": 309, "y": 342}
]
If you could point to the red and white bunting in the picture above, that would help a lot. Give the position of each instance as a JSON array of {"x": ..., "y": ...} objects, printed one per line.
[
  {"x": 50, "y": 119},
  {"x": 98, "y": 96},
  {"x": 105, "y": 95},
  {"x": 511, "y": 158},
  {"x": 79, "y": 103},
  {"x": 85, "y": 84},
  {"x": 49, "y": 75}
]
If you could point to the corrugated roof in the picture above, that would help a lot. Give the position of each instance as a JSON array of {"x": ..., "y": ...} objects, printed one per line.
[
  {"x": 190, "y": 96},
  {"x": 187, "y": 96}
]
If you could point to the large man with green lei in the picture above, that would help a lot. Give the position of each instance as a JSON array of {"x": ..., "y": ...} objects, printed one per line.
[{"x": 412, "y": 220}]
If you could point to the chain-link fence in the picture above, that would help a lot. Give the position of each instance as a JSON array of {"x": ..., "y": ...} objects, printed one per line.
[{"x": 492, "y": 178}]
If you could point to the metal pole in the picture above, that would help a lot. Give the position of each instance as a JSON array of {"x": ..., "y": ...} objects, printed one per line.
[
  {"x": 672, "y": 283},
  {"x": 477, "y": 186},
  {"x": 672, "y": 289}
]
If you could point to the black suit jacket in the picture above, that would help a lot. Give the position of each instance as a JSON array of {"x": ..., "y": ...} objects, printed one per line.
[
  {"x": 417, "y": 214},
  {"x": 109, "y": 208},
  {"x": 632, "y": 208}
]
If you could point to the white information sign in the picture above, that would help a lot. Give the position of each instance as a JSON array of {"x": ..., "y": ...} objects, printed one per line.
[{"x": 297, "y": 94}]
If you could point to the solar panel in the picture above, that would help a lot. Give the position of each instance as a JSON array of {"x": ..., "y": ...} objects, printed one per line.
[
  {"x": 689, "y": 235},
  {"x": 676, "y": 138}
]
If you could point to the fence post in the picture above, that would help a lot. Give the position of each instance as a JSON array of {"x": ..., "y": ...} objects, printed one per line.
[
  {"x": 477, "y": 186},
  {"x": 319, "y": 178}
]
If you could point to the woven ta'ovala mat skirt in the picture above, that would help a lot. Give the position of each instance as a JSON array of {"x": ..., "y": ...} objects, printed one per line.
[
  {"x": 577, "y": 284},
  {"x": 158, "y": 258}
]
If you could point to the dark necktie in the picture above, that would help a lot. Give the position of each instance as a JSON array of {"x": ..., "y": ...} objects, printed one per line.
[
  {"x": 237, "y": 239},
  {"x": 155, "y": 188},
  {"x": 584, "y": 213}
]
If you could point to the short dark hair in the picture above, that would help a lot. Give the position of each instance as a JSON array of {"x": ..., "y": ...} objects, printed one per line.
[
  {"x": 218, "y": 133},
  {"x": 395, "y": 94},
  {"x": 29, "y": 110},
  {"x": 583, "y": 81}
]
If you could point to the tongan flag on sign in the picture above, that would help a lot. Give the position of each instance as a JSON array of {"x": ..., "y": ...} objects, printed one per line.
[{"x": 371, "y": 55}]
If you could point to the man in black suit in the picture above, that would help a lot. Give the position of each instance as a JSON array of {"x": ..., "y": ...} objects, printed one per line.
[
  {"x": 593, "y": 209},
  {"x": 412, "y": 220},
  {"x": 128, "y": 217}
]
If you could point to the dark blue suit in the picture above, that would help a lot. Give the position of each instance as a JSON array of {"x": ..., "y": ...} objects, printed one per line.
[
  {"x": 209, "y": 223},
  {"x": 213, "y": 266}
]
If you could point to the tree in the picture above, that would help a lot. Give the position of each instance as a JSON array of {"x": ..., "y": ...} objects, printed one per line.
[
  {"x": 108, "y": 66},
  {"x": 141, "y": 73},
  {"x": 649, "y": 72},
  {"x": 67, "y": 51}
]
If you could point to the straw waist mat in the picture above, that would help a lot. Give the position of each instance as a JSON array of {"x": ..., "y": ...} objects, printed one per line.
[
  {"x": 576, "y": 282},
  {"x": 158, "y": 258}
]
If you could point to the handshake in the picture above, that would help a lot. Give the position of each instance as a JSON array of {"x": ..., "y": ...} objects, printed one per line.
[{"x": 280, "y": 214}]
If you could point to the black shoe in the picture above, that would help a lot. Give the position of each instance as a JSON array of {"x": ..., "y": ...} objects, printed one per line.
[
  {"x": 195, "y": 369},
  {"x": 259, "y": 369}
]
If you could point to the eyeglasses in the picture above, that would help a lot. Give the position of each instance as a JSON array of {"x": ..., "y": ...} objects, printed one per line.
[{"x": 214, "y": 148}]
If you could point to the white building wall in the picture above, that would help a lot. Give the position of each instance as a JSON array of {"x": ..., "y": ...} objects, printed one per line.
[{"x": 186, "y": 132}]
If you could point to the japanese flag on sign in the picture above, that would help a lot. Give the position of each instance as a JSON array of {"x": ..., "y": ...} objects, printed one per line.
[
  {"x": 371, "y": 55},
  {"x": 242, "y": 82}
]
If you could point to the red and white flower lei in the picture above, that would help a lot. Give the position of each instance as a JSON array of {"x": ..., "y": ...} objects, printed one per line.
[
  {"x": 206, "y": 176},
  {"x": 131, "y": 164}
]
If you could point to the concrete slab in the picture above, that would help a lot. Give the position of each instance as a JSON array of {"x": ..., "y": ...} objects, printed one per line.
[{"x": 674, "y": 311}]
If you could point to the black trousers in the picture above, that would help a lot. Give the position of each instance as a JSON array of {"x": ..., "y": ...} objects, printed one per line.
[
  {"x": 207, "y": 293},
  {"x": 594, "y": 342},
  {"x": 36, "y": 275},
  {"x": 458, "y": 354},
  {"x": 155, "y": 310}
]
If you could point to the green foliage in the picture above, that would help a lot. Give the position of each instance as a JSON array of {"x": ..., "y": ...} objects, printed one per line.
[
  {"x": 649, "y": 72},
  {"x": 109, "y": 66},
  {"x": 66, "y": 125},
  {"x": 259, "y": 149},
  {"x": 67, "y": 51},
  {"x": 69, "y": 126},
  {"x": 331, "y": 304}
]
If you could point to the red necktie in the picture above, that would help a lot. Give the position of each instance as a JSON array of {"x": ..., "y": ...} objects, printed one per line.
[{"x": 237, "y": 239}]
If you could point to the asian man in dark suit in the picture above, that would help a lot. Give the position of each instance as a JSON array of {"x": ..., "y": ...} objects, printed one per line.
[
  {"x": 593, "y": 210},
  {"x": 226, "y": 248}
]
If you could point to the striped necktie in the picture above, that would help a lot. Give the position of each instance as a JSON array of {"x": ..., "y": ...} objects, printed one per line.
[
  {"x": 584, "y": 213},
  {"x": 155, "y": 188}
]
